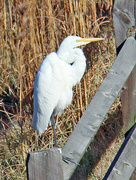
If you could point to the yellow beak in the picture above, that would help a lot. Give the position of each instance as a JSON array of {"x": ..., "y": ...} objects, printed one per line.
[{"x": 89, "y": 39}]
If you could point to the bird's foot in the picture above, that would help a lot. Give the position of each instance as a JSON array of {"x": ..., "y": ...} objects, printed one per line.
[{"x": 67, "y": 160}]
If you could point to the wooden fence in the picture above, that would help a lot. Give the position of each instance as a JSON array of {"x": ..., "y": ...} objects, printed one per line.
[{"x": 48, "y": 164}]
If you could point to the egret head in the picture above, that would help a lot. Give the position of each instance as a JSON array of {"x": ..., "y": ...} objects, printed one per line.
[
  {"x": 75, "y": 41},
  {"x": 71, "y": 42}
]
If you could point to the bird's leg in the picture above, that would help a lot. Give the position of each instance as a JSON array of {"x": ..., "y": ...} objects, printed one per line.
[
  {"x": 54, "y": 131},
  {"x": 64, "y": 158},
  {"x": 37, "y": 139}
]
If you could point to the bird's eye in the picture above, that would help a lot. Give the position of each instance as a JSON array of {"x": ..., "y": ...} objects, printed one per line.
[{"x": 71, "y": 63}]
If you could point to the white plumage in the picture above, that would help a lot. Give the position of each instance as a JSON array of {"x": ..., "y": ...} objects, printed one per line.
[{"x": 55, "y": 79}]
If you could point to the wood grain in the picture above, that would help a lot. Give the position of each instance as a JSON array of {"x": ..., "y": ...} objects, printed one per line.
[
  {"x": 124, "y": 18},
  {"x": 45, "y": 164}
]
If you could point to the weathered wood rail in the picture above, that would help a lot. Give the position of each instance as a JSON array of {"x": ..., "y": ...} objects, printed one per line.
[
  {"x": 119, "y": 74},
  {"x": 124, "y": 19},
  {"x": 123, "y": 166}
]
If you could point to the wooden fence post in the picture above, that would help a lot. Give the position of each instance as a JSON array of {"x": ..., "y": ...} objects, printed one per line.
[
  {"x": 45, "y": 165},
  {"x": 123, "y": 18},
  {"x": 124, "y": 164}
]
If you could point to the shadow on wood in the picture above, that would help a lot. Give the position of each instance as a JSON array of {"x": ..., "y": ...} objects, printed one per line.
[
  {"x": 124, "y": 18},
  {"x": 124, "y": 164},
  {"x": 106, "y": 135}
]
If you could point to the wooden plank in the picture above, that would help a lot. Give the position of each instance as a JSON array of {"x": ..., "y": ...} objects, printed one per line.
[
  {"x": 128, "y": 99},
  {"x": 45, "y": 164},
  {"x": 124, "y": 18},
  {"x": 124, "y": 163},
  {"x": 92, "y": 118}
]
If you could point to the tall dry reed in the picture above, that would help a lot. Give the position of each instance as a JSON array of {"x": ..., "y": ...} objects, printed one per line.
[{"x": 29, "y": 30}]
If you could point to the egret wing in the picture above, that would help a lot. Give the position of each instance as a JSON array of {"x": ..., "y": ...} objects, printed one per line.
[{"x": 43, "y": 96}]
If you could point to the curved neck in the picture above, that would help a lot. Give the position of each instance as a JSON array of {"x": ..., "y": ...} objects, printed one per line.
[
  {"x": 64, "y": 54},
  {"x": 79, "y": 65},
  {"x": 78, "y": 60}
]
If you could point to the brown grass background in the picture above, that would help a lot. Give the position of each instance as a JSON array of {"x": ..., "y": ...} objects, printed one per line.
[{"x": 29, "y": 30}]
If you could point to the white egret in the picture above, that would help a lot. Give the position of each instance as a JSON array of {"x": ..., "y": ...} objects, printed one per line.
[{"x": 54, "y": 81}]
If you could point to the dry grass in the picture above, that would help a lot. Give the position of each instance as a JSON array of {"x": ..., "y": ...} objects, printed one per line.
[{"x": 29, "y": 31}]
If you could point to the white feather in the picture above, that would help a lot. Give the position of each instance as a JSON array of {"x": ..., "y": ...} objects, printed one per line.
[{"x": 54, "y": 82}]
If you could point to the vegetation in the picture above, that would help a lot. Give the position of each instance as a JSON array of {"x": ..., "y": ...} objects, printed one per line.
[{"x": 29, "y": 31}]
